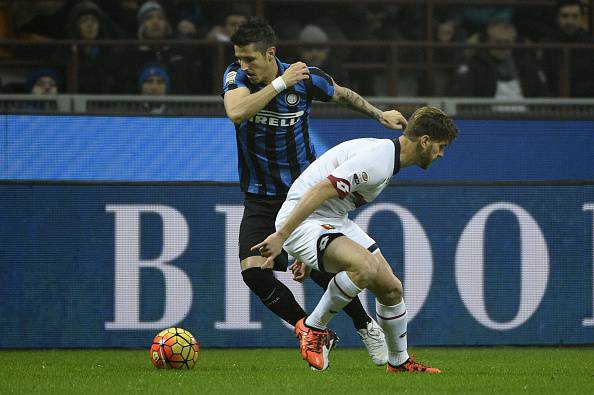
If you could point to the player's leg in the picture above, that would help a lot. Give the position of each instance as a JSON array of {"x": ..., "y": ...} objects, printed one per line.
[
  {"x": 393, "y": 318},
  {"x": 353, "y": 265},
  {"x": 354, "y": 309},
  {"x": 357, "y": 269},
  {"x": 315, "y": 343},
  {"x": 370, "y": 332},
  {"x": 257, "y": 223},
  {"x": 273, "y": 293}
]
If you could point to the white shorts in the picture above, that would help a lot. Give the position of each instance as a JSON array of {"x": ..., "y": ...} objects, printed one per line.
[{"x": 308, "y": 241}]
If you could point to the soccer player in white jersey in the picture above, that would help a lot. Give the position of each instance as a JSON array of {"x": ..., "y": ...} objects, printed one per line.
[{"x": 314, "y": 227}]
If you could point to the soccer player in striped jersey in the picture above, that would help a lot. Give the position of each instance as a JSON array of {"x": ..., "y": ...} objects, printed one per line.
[
  {"x": 314, "y": 227},
  {"x": 269, "y": 102}
]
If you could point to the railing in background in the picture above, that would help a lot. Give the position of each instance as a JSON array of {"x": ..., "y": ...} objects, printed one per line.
[
  {"x": 215, "y": 52},
  {"x": 459, "y": 107}
]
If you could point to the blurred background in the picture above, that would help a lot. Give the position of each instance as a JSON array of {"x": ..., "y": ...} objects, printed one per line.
[{"x": 526, "y": 49}]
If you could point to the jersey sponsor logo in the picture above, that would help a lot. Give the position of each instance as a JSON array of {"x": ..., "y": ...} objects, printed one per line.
[
  {"x": 292, "y": 98},
  {"x": 324, "y": 242},
  {"x": 231, "y": 77},
  {"x": 343, "y": 187},
  {"x": 273, "y": 118},
  {"x": 360, "y": 177}
]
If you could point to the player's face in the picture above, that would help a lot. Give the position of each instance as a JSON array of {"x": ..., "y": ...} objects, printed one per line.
[
  {"x": 430, "y": 151},
  {"x": 570, "y": 18},
  {"x": 258, "y": 66}
]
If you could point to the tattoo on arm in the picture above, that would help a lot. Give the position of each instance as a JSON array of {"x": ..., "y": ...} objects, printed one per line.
[{"x": 354, "y": 101}]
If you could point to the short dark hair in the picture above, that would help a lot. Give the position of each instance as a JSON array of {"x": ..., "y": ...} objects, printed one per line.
[
  {"x": 433, "y": 122},
  {"x": 255, "y": 31}
]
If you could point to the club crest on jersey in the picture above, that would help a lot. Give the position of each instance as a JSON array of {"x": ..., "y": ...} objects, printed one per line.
[
  {"x": 360, "y": 177},
  {"x": 231, "y": 77},
  {"x": 291, "y": 98}
]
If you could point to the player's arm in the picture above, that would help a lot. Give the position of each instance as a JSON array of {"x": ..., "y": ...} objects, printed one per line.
[
  {"x": 346, "y": 97},
  {"x": 311, "y": 200},
  {"x": 241, "y": 105}
]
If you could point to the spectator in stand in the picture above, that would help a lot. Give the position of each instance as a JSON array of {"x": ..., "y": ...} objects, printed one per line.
[
  {"x": 154, "y": 80},
  {"x": 316, "y": 53},
  {"x": 40, "y": 82},
  {"x": 223, "y": 32},
  {"x": 569, "y": 30},
  {"x": 188, "y": 18},
  {"x": 152, "y": 22},
  {"x": 38, "y": 21},
  {"x": 96, "y": 65},
  {"x": 383, "y": 23},
  {"x": 447, "y": 31},
  {"x": 123, "y": 14},
  {"x": 499, "y": 72},
  {"x": 475, "y": 17},
  {"x": 185, "y": 68},
  {"x": 44, "y": 81},
  {"x": 229, "y": 26}
]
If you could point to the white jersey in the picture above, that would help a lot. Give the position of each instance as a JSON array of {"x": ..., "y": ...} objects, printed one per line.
[{"x": 359, "y": 169}]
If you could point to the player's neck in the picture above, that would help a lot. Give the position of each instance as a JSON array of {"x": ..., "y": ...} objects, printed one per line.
[
  {"x": 407, "y": 151},
  {"x": 272, "y": 73}
]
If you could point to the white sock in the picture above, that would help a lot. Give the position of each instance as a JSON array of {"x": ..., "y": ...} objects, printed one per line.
[
  {"x": 393, "y": 320},
  {"x": 339, "y": 293}
]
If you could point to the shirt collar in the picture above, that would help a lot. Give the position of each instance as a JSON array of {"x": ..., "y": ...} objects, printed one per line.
[
  {"x": 281, "y": 67},
  {"x": 396, "y": 156}
]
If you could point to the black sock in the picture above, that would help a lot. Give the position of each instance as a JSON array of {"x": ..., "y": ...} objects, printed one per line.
[
  {"x": 354, "y": 309},
  {"x": 274, "y": 294}
]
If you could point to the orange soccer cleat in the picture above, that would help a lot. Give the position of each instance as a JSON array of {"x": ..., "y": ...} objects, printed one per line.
[
  {"x": 315, "y": 344},
  {"x": 411, "y": 366}
]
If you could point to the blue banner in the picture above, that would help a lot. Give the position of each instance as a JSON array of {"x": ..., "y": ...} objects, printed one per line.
[
  {"x": 108, "y": 266},
  {"x": 67, "y": 147}
]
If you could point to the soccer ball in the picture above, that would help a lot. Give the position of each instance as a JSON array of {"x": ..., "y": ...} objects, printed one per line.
[{"x": 174, "y": 348}]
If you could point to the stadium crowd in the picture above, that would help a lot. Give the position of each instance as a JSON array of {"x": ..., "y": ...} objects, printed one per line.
[{"x": 184, "y": 69}]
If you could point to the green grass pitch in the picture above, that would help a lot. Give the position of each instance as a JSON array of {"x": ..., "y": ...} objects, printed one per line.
[{"x": 281, "y": 371}]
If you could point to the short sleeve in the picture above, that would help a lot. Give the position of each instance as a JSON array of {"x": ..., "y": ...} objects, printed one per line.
[
  {"x": 233, "y": 78},
  {"x": 322, "y": 87},
  {"x": 367, "y": 169}
]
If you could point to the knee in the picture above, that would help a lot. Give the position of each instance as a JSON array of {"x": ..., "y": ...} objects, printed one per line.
[
  {"x": 366, "y": 271},
  {"x": 394, "y": 291}
]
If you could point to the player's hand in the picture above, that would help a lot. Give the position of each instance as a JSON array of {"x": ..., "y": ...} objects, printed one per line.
[
  {"x": 270, "y": 248},
  {"x": 393, "y": 120},
  {"x": 300, "y": 271},
  {"x": 295, "y": 73}
]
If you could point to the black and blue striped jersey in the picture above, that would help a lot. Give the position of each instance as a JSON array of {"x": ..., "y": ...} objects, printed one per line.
[{"x": 274, "y": 146}]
